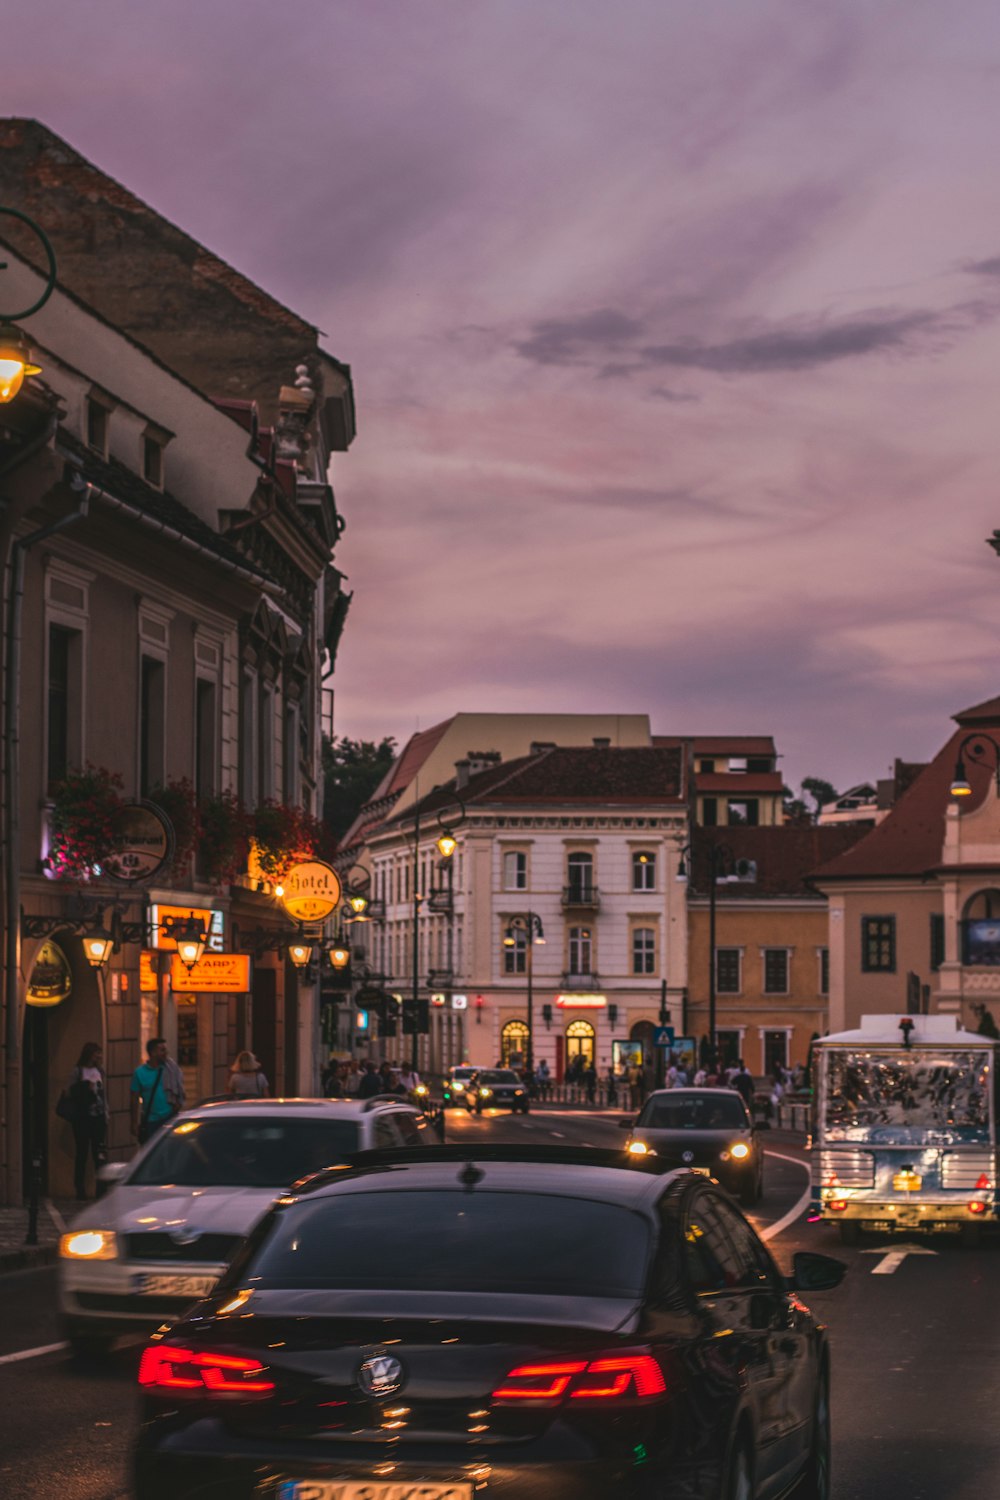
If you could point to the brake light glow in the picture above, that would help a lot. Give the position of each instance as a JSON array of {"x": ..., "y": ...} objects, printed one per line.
[
  {"x": 837, "y": 1204},
  {"x": 609, "y": 1379},
  {"x": 163, "y": 1367},
  {"x": 977, "y": 1208},
  {"x": 984, "y": 1184}
]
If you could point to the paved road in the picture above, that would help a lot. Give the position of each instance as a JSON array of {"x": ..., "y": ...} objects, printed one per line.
[{"x": 916, "y": 1357}]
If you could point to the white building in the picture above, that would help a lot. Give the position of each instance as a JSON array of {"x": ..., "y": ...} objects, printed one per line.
[{"x": 581, "y": 843}]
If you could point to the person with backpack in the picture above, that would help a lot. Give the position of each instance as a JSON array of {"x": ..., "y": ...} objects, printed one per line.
[{"x": 86, "y": 1108}]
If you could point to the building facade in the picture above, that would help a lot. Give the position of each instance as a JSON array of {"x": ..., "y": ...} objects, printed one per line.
[{"x": 170, "y": 609}]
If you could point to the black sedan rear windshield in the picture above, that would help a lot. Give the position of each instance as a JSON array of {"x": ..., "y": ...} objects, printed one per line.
[
  {"x": 718, "y": 1111},
  {"x": 473, "y": 1241},
  {"x": 499, "y": 1076},
  {"x": 245, "y": 1153}
]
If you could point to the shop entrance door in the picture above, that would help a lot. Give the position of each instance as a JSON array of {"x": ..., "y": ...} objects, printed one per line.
[{"x": 265, "y": 1023}]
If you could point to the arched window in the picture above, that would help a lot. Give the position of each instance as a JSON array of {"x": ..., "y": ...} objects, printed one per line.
[
  {"x": 514, "y": 1044},
  {"x": 580, "y": 876},
  {"x": 643, "y": 870},
  {"x": 581, "y": 1041},
  {"x": 580, "y": 950},
  {"x": 981, "y": 930}
]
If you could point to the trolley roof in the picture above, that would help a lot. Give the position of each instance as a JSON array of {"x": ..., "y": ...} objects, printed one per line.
[{"x": 927, "y": 1031}]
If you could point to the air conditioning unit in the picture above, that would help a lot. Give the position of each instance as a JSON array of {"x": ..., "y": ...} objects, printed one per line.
[{"x": 744, "y": 871}]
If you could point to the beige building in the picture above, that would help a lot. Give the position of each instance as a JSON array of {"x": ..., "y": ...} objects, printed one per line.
[
  {"x": 914, "y": 907},
  {"x": 771, "y": 953}
]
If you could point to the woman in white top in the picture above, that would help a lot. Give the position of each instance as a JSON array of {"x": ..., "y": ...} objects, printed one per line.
[
  {"x": 246, "y": 1079},
  {"x": 88, "y": 1097}
]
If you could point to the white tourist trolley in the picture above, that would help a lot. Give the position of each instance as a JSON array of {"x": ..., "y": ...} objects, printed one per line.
[{"x": 905, "y": 1127}]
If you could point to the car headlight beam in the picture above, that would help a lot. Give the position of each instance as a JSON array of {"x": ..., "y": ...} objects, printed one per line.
[{"x": 740, "y": 1150}]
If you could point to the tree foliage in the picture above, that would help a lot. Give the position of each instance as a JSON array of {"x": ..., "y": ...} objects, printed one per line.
[
  {"x": 819, "y": 790},
  {"x": 352, "y": 769}
]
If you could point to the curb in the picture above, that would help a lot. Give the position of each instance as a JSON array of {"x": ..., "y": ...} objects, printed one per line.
[{"x": 28, "y": 1258}]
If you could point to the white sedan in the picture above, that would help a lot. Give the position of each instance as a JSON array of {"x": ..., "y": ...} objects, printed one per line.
[{"x": 163, "y": 1235}]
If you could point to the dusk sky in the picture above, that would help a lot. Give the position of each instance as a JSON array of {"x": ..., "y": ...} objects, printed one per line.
[{"x": 674, "y": 326}]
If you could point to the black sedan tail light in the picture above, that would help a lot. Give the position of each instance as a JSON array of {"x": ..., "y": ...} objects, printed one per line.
[
  {"x": 621, "y": 1378},
  {"x": 203, "y": 1373}
]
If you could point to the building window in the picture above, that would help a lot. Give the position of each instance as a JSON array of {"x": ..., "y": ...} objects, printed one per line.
[
  {"x": 152, "y": 723},
  {"x": 290, "y": 779},
  {"x": 64, "y": 701},
  {"x": 515, "y": 958},
  {"x": 824, "y": 970},
  {"x": 878, "y": 945},
  {"x": 248, "y": 738},
  {"x": 643, "y": 871},
  {"x": 98, "y": 424},
  {"x": 775, "y": 971},
  {"x": 710, "y": 811},
  {"x": 515, "y": 870},
  {"x": 581, "y": 1040},
  {"x": 152, "y": 462},
  {"x": 727, "y": 971},
  {"x": 580, "y": 876},
  {"x": 727, "y": 1045},
  {"x": 775, "y": 1051},
  {"x": 643, "y": 950},
  {"x": 937, "y": 940},
  {"x": 745, "y": 810},
  {"x": 265, "y": 752},
  {"x": 706, "y": 767},
  {"x": 205, "y": 739},
  {"x": 514, "y": 1044},
  {"x": 580, "y": 950}
]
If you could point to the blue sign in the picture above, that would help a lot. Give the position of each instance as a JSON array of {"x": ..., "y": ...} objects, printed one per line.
[{"x": 663, "y": 1036}]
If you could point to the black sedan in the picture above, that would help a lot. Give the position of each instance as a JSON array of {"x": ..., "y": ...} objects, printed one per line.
[
  {"x": 496, "y": 1088},
  {"x": 708, "y": 1130},
  {"x": 495, "y": 1321}
]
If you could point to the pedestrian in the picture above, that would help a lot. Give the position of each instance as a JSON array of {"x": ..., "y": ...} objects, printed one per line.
[
  {"x": 408, "y": 1078},
  {"x": 156, "y": 1092},
  {"x": 87, "y": 1093},
  {"x": 590, "y": 1082},
  {"x": 612, "y": 1087},
  {"x": 743, "y": 1084},
  {"x": 247, "y": 1080},
  {"x": 371, "y": 1081},
  {"x": 701, "y": 1078}
]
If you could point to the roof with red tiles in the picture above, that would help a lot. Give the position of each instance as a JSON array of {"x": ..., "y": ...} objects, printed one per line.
[
  {"x": 586, "y": 777},
  {"x": 910, "y": 840},
  {"x": 747, "y": 782},
  {"x": 785, "y": 856}
]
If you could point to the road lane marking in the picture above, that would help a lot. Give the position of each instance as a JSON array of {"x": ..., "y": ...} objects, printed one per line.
[
  {"x": 558, "y": 1135},
  {"x": 10, "y": 1359},
  {"x": 893, "y": 1259},
  {"x": 800, "y": 1207}
]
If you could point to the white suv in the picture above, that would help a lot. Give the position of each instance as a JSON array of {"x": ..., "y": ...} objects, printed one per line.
[{"x": 162, "y": 1236}]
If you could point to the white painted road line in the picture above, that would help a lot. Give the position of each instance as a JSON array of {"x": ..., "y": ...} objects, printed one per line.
[
  {"x": 10, "y": 1359},
  {"x": 800, "y": 1207},
  {"x": 893, "y": 1259},
  {"x": 558, "y": 1135}
]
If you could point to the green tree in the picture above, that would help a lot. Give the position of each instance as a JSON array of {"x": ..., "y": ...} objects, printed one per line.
[
  {"x": 820, "y": 791},
  {"x": 352, "y": 769},
  {"x": 987, "y": 1026}
]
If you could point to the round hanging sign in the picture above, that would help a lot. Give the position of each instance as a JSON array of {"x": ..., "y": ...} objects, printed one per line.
[
  {"x": 146, "y": 844},
  {"x": 51, "y": 977},
  {"x": 312, "y": 891}
]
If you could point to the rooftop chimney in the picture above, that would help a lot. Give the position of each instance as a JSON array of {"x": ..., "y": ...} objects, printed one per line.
[{"x": 601, "y": 742}]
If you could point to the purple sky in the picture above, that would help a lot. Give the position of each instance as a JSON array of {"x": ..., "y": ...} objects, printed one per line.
[{"x": 674, "y": 328}]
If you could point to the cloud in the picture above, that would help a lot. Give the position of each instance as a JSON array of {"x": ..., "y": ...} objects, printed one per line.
[
  {"x": 560, "y": 341},
  {"x": 795, "y": 348},
  {"x": 989, "y": 267}
]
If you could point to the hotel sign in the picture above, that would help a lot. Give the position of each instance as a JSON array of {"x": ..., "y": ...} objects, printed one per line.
[
  {"x": 213, "y": 974},
  {"x": 312, "y": 891}
]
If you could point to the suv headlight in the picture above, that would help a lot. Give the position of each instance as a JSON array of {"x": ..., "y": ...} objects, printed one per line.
[
  {"x": 639, "y": 1148},
  {"x": 89, "y": 1244},
  {"x": 486, "y": 1093},
  {"x": 740, "y": 1151}
]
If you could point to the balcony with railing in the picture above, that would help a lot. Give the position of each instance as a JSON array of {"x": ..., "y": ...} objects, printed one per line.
[
  {"x": 440, "y": 900},
  {"x": 579, "y": 982},
  {"x": 580, "y": 895}
]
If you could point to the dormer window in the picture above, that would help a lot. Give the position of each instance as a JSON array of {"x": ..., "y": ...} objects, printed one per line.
[
  {"x": 154, "y": 444},
  {"x": 98, "y": 422}
]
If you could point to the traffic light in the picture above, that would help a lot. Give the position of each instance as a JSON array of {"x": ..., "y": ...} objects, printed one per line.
[{"x": 416, "y": 1017}]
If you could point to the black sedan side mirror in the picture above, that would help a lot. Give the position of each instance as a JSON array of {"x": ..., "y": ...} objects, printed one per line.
[{"x": 815, "y": 1273}]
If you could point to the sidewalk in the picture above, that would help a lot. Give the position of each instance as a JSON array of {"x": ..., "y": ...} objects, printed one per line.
[{"x": 15, "y": 1255}]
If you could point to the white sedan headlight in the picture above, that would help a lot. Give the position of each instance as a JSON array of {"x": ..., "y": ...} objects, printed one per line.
[
  {"x": 741, "y": 1150},
  {"x": 89, "y": 1244}
]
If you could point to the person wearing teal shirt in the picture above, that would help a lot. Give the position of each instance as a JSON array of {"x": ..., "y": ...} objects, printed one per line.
[{"x": 154, "y": 1092}]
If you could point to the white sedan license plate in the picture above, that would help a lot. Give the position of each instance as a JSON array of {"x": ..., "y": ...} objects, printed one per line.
[
  {"x": 173, "y": 1286},
  {"x": 702, "y": 1171},
  {"x": 372, "y": 1489}
]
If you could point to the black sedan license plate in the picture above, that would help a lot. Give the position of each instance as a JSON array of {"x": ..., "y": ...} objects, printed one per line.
[{"x": 372, "y": 1489}]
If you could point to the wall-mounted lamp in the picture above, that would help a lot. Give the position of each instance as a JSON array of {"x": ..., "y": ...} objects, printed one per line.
[
  {"x": 547, "y": 1016},
  {"x": 97, "y": 946},
  {"x": 339, "y": 955},
  {"x": 300, "y": 954},
  {"x": 190, "y": 937},
  {"x": 15, "y": 352},
  {"x": 612, "y": 1014}
]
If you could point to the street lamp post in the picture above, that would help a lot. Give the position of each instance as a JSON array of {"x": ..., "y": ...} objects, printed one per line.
[
  {"x": 448, "y": 819},
  {"x": 530, "y": 923},
  {"x": 719, "y": 856},
  {"x": 976, "y": 745}
]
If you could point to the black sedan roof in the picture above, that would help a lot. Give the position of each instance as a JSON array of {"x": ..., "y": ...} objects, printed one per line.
[{"x": 607, "y": 1176}]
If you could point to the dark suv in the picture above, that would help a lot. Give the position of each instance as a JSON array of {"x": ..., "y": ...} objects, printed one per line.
[{"x": 496, "y": 1088}]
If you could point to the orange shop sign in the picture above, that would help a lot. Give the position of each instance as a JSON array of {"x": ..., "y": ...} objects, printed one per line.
[
  {"x": 213, "y": 974},
  {"x": 160, "y": 918}
]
